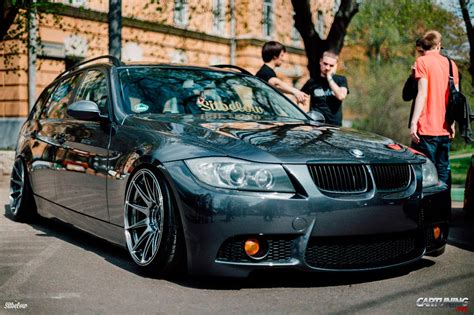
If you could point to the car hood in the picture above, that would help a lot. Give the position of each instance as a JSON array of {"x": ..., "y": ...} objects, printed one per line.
[{"x": 277, "y": 141}]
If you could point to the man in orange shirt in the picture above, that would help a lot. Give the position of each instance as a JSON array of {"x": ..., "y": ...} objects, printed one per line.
[{"x": 429, "y": 129}]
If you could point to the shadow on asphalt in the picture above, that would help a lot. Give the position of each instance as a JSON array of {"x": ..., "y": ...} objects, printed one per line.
[{"x": 259, "y": 279}]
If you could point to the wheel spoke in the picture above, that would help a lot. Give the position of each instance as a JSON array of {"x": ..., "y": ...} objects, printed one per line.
[
  {"x": 147, "y": 247},
  {"x": 141, "y": 239},
  {"x": 142, "y": 194},
  {"x": 142, "y": 209},
  {"x": 16, "y": 186},
  {"x": 139, "y": 224},
  {"x": 18, "y": 182},
  {"x": 16, "y": 170},
  {"x": 148, "y": 190},
  {"x": 14, "y": 191},
  {"x": 154, "y": 244}
]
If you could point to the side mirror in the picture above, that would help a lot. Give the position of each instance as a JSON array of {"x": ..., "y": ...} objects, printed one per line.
[
  {"x": 316, "y": 116},
  {"x": 84, "y": 110}
]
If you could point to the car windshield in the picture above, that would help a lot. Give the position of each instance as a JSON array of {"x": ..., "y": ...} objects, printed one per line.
[{"x": 158, "y": 90}]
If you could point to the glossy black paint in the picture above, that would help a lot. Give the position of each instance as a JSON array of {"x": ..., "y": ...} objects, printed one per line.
[{"x": 79, "y": 171}]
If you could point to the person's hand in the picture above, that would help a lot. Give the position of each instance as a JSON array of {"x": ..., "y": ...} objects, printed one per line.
[
  {"x": 331, "y": 72},
  {"x": 452, "y": 131},
  {"x": 301, "y": 97},
  {"x": 414, "y": 133}
]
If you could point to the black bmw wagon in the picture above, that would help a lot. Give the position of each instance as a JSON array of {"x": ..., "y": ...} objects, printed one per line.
[{"x": 212, "y": 171}]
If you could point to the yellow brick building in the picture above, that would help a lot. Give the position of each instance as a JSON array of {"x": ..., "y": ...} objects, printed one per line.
[{"x": 198, "y": 32}]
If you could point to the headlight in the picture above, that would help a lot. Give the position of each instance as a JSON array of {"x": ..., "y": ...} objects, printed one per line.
[
  {"x": 237, "y": 174},
  {"x": 430, "y": 174}
]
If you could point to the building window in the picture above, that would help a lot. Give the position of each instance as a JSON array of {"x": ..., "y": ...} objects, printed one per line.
[
  {"x": 178, "y": 56},
  {"x": 267, "y": 18},
  {"x": 132, "y": 52},
  {"x": 295, "y": 35},
  {"x": 320, "y": 23},
  {"x": 74, "y": 3},
  {"x": 218, "y": 10},
  {"x": 180, "y": 16}
]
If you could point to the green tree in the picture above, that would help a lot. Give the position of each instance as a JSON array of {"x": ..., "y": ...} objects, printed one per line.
[{"x": 387, "y": 31}]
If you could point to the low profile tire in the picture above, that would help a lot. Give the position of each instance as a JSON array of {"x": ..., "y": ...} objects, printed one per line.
[
  {"x": 152, "y": 226},
  {"x": 22, "y": 203}
]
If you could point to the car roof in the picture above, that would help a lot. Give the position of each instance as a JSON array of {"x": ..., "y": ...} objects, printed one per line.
[{"x": 115, "y": 62}]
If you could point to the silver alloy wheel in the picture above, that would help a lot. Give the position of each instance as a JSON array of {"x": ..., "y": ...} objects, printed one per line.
[
  {"x": 17, "y": 186},
  {"x": 144, "y": 216}
]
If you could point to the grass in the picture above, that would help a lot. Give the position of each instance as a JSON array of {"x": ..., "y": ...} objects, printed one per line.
[{"x": 459, "y": 168}]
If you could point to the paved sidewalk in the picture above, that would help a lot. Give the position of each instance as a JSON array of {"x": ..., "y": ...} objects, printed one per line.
[
  {"x": 6, "y": 161},
  {"x": 462, "y": 155}
]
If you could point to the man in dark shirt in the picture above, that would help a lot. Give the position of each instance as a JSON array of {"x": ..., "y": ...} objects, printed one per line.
[
  {"x": 272, "y": 55},
  {"x": 328, "y": 90}
]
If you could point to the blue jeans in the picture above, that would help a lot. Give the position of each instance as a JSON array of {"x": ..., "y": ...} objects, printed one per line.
[{"x": 436, "y": 149}]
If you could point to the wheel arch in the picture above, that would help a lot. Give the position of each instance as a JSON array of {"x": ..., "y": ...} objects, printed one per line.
[{"x": 147, "y": 161}]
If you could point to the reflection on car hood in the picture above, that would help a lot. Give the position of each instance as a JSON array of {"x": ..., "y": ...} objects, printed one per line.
[{"x": 281, "y": 140}]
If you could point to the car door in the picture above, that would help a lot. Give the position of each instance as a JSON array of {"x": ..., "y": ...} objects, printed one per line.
[
  {"x": 47, "y": 151},
  {"x": 82, "y": 184}
]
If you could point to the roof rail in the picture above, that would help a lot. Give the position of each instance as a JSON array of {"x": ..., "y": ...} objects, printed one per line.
[
  {"x": 242, "y": 70},
  {"x": 115, "y": 61}
]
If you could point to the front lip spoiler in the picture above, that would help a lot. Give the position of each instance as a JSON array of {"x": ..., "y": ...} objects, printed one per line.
[{"x": 294, "y": 262}]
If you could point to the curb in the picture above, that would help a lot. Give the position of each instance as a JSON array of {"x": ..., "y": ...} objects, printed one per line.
[{"x": 6, "y": 162}]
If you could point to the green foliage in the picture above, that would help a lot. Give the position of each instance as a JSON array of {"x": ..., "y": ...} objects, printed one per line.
[
  {"x": 389, "y": 29},
  {"x": 459, "y": 168},
  {"x": 376, "y": 97}
]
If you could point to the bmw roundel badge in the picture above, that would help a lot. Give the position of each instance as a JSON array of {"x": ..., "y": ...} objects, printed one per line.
[{"x": 357, "y": 153}]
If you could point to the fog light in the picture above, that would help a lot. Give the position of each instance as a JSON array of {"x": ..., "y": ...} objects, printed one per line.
[
  {"x": 436, "y": 232},
  {"x": 252, "y": 247}
]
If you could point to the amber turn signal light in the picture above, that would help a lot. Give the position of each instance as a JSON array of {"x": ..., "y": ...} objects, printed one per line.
[
  {"x": 436, "y": 232},
  {"x": 252, "y": 247}
]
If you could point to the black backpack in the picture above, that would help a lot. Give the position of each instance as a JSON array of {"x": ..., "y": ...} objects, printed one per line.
[{"x": 458, "y": 109}]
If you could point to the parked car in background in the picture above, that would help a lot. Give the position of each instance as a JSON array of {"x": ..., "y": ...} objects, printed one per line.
[{"x": 215, "y": 172}]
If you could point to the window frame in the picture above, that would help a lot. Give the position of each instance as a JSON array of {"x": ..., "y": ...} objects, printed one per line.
[
  {"x": 267, "y": 23},
  {"x": 107, "y": 82},
  {"x": 181, "y": 13},
  {"x": 219, "y": 16},
  {"x": 57, "y": 84},
  {"x": 37, "y": 109}
]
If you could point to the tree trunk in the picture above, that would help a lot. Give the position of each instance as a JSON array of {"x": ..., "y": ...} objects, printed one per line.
[
  {"x": 313, "y": 43},
  {"x": 7, "y": 15},
  {"x": 115, "y": 28},
  {"x": 470, "y": 36}
]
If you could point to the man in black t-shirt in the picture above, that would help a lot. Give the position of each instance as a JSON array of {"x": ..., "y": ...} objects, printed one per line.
[
  {"x": 328, "y": 90},
  {"x": 272, "y": 55}
]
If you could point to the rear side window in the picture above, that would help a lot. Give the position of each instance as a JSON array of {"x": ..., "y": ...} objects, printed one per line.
[
  {"x": 56, "y": 106},
  {"x": 94, "y": 88},
  {"x": 36, "y": 111}
]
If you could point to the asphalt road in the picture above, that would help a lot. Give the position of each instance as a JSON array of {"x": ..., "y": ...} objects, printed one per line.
[{"x": 50, "y": 268}]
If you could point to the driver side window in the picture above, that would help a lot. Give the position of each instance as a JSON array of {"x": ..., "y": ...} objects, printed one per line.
[{"x": 94, "y": 88}]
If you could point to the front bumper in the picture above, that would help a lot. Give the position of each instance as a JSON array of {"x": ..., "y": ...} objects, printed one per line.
[
  {"x": 436, "y": 212},
  {"x": 306, "y": 230}
]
